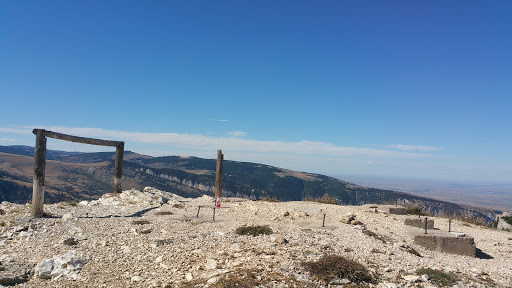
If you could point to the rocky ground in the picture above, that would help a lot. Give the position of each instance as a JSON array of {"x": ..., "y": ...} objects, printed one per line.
[{"x": 154, "y": 239}]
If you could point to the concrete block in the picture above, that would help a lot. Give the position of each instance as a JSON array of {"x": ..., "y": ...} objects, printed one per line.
[
  {"x": 392, "y": 209},
  {"x": 419, "y": 222},
  {"x": 447, "y": 242}
]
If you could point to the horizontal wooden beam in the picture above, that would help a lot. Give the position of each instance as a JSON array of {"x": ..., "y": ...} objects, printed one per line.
[{"x": 77, "y": 139}]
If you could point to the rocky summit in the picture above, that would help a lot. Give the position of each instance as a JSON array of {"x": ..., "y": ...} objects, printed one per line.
[{"x": 153, "y": 238}]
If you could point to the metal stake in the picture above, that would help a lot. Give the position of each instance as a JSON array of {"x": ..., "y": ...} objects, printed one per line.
[
  {"x": 323, "y": 223},
  {"x": 198, "y": 208},
  {"x": 214, "y": 214},
  {"x": 396, "y": 203},
  {"x": 426, "y": 218},
  {"x": 449, "y": 224}
]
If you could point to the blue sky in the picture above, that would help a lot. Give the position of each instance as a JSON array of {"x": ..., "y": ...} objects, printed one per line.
[{"x": 389, "y": 88}]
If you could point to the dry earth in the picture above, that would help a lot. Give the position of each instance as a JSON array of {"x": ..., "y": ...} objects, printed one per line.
[{"x": 133, "y": 240}]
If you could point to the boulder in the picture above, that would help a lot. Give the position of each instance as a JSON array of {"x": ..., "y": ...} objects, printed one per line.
[
  {"x": 280, "y": 239},
  {"x": 211, "y": 264},
  {"x": 61, "y": 265}
]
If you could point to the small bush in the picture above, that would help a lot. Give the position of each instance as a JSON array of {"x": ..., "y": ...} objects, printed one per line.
[
  {"x": 269, "y": 199},
  {"x": 241, "y": 279},
  {"x": 413, "y": 251},
  {"x": 438, "y": 277},
  {"x": 326, "y": 199},
  {"x": 253, "y": 230},
  {"x": 415, "y": 209},
  {"x": 71, "y": 203},
  {"x": 493, "y": 224},
  {"x": 164, "y": 213},
  {"x": 180, "y": 205},
  {"x": 330, "y": 267},
  {"x": 471, "y": 219},
  {"x": 140, "y": 222},
  {"x": 507, "y": 219},
  {"x": 374, "y": 235}
]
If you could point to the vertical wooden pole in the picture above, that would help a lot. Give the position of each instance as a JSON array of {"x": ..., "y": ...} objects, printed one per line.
[
  {"x": 118, "y": 169},
  {"x": 39, "y": 167},
  {"x": 218, "y": 175}
]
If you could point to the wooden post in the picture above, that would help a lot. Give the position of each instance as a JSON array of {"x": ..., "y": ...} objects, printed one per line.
[
  {"x": 40, "y": 163},
  {"x": 118, "y": 170},
  {"x": 218, "y": 175},
  {"x": 39, "y": 167}
]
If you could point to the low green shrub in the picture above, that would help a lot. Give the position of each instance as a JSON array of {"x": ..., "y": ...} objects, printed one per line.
[
  {"x": 374, "y": 235},
  {"x": 438, "y": 277},
  {"x": 507, "y": 219},
  {"x": 330, "y": 267},
  {"x": 326, "y": 199},
  {"x": 140, "y": 222},
  {"x": 253, "y": 230}
]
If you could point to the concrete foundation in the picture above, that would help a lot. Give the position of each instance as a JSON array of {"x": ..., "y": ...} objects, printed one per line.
[
  {"x": 390, "y": 209},
  {"x": 419, "y": 222},
  {"x": 447, "y": 242}
]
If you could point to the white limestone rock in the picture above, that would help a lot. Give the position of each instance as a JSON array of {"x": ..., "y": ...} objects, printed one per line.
[{"x": 59, "y": 266}]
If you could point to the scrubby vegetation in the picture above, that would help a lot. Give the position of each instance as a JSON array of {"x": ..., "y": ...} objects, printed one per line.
[
  {"x": 326, "y": 199},
  {"x": 269, "y": 199},
  {"x": 253, "y": 230},
  {"x": 249, "y": 278},
  {"x": 374, "y": 235},
  {"x": 438, "y": 277},
  {"x": 330, "y": 267},
  {"x": 140, "y": 222},
  {"x": 507, "y": 219},
  {"x": 164, "y": 213}
]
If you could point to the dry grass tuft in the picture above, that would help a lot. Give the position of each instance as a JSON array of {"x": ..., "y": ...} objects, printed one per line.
[
  {"x": 253, "y": 230},
  {"x": 140, "y": 222},
  {"x": 331, "y": 267},
  {"x": 326, "y": 199},
  {"x": 374, "y": 235},
  {"x": 438, "y": 277},
  {"x": 164, "y": 213}
]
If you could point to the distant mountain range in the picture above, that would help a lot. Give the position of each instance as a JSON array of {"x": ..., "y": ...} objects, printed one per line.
[{"x": 76, "y": 176}]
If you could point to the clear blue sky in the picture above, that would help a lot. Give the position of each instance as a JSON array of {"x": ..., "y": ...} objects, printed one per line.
[{"x": 390, "y": 88}]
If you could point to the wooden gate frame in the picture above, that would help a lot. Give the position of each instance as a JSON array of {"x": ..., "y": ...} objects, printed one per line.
[{"x": 40, "y": 163}]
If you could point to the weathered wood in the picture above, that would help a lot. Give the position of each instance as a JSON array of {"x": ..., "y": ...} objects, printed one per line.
[
  {"x": 78, "y": 139},
  {"x": 218, "y": 175},
  {"x": 39, "y": 168},
  {"x": 118, "y": 170},
  {"x": 40, "y": 163}
]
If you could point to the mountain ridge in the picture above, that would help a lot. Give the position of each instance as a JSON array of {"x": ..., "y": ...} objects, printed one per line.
[{"x": 81, "y": 176}]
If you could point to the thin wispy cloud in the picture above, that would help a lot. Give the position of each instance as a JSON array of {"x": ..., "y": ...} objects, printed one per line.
[
  {"x": 7, "y": 140},
  {"x": 237, "y": 133},
  {"x": 205, "y": 143},
  {"x": 23, "y": 130},
  {"x": 219, "y": 120},
  {"x": 415, "y": 148}
]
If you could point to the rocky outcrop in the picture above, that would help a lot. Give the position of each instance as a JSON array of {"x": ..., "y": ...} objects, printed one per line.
[
  {"x": 58, "y": 266},
  {"x": 502, "y": 221}
]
